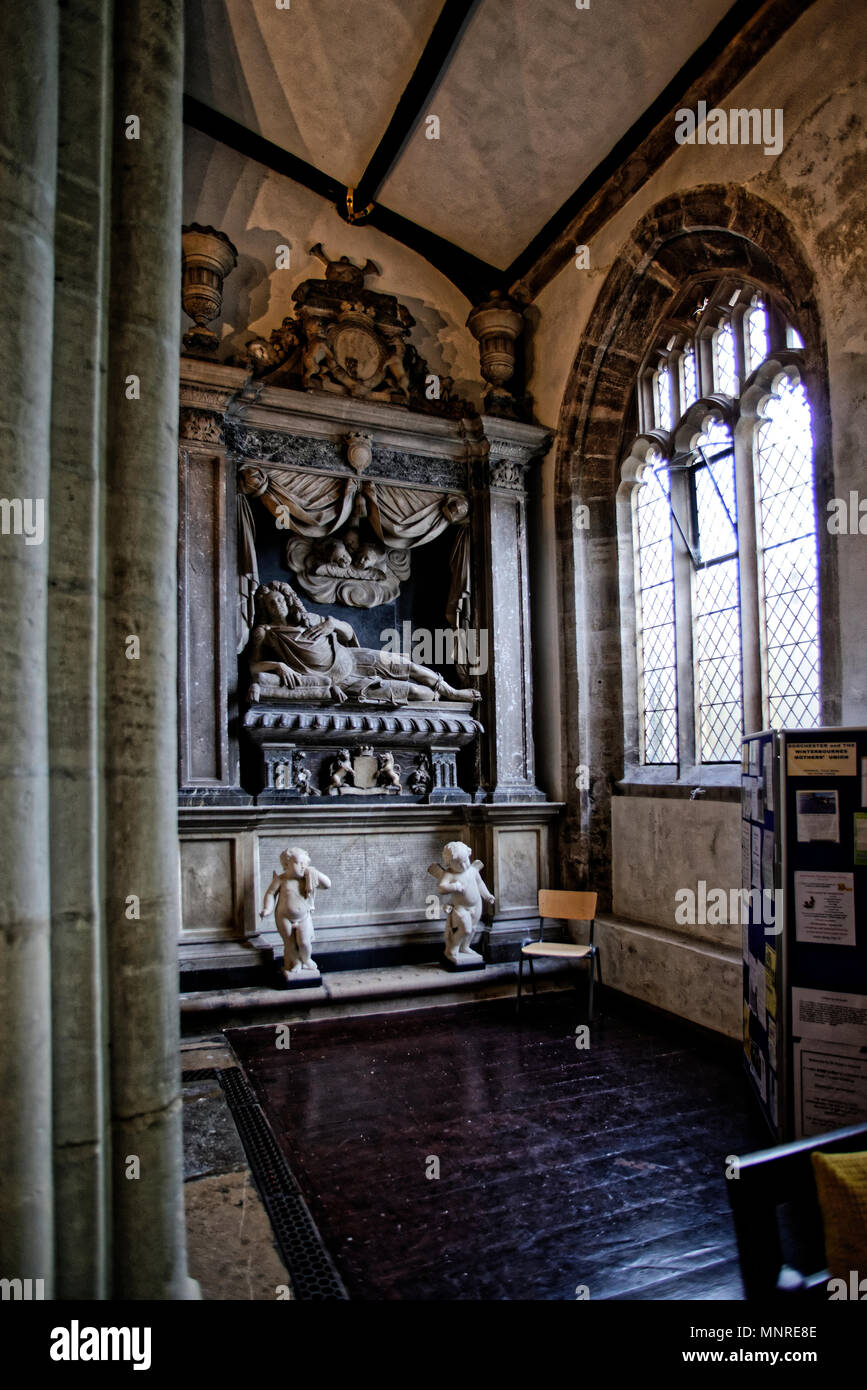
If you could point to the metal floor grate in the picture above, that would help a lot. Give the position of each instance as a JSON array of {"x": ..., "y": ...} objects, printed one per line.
[
  {"x": 311, "y": 1270},
  {"x": 199, "y": 1074}
]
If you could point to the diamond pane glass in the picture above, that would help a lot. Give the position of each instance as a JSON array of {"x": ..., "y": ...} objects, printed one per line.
[
  {"x": 717, "y": 629},
  {"x": 716, "y": 601},
  {"x": 724, "y": 363},
  {"x": 657, "y": 669},
  {"x": 688, "y": 378},
  {"x": 788, "y": 559},
  {"x": 715, "y": 496},
  {"x": 756, "y": 336},
  {"x": 662, "y": 398}
]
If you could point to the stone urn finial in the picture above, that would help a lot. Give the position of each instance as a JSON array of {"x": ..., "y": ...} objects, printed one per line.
[
  {"x": 496, "y": 324},
  {"x": 208, "y": 257}
]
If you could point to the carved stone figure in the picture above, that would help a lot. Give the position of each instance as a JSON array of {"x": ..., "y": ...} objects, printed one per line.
[
  {"x": 461, "y": 881},
  {"x": 296, "y": 655},
  {"x": 420, "y": 779},
  {"x": 344, "y": 271},
  {"x": 352, "y": 567},
  {"x": 291, "y": 897},
  {"x": 281, "y": 776},
  {"x": 301, "y": 781},
  {"x": 341, "y": 773},
  {"x": 389, "y": 775}
]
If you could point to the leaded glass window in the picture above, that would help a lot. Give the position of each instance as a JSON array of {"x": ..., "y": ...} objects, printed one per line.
[
  {"x": 724, "y": 360},
  {"x": 716, "y": 598},
  {"x": 788, "y": 557},
  {"x": 688, "y": 378},
  {"x": 720, "y": 508},
  {"x": 756, "y": 335},
  {"x": 662, "y": 398},
  {"x": 655, "y": 590}
]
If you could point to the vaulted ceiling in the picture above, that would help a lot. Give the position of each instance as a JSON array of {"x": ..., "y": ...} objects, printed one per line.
[{"x": 532, "y": 97}]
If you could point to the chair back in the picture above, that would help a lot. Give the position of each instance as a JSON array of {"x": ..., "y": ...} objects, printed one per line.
[
  {"x": 567, "y": 906},
  {"x": 775, "y": 1205}
]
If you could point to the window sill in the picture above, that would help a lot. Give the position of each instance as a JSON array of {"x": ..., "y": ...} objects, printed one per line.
[{"x": 718, "y": 782}]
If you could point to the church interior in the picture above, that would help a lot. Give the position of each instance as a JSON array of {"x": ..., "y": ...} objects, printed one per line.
[{"x": 434, "y": 611}]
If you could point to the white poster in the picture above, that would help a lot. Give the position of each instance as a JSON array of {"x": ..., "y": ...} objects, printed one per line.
[
  {"x": 830, "y": 1016},
  {"x": 821, "y": 759},
  {"x": 830, "y": 1087},
  {"x": 768, "y": 774},
  {"x": 818, "y": 815},
  {"x": 825, "y": 908},
  {"x": 746, "y": 840},
  {"x": 758, "y": 1002},
  {"x": 768, "y": 861},
  {"x": 756, "y": 858},
  {"x": 750, "y": 797}
]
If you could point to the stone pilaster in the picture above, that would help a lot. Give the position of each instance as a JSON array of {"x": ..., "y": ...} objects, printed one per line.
[
  {"x": 28, "y": 146},
  {"x": 208, "y": 613},
  {"x": 508, "y": 759}
]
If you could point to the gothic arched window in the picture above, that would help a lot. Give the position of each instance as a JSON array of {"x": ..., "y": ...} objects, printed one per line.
[{"x": 718, "y": 498}]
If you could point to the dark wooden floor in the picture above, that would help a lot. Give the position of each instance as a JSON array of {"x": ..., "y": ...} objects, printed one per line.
[{"x": 558, "y": 1167}]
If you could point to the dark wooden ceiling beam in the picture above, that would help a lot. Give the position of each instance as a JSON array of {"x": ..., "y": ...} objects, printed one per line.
[
  {"x": 246, "y": 142},
  {"x": 744, "y": 35},
  {"x": 473, "y": 277},
  {"x": 445, "y": 36}
]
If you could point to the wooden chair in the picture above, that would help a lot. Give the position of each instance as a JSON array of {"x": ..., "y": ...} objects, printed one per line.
[{"x": 565, "y": 907}]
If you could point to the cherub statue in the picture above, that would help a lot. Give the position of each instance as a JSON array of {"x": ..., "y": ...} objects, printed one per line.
[
  {"x": 461, "y": 880},
  {"x": 341, "y": 773},
  {"x": 388, "y": 775},
  {"x": 291, "y": 896}
]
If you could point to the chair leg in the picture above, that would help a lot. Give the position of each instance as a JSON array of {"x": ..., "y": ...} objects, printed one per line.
[
  {"x": 520, "y": 982},
  {"x": 599, "y": 974},
  {"x": 532, "y": 975},
  {"x": 590, "y": 995}
]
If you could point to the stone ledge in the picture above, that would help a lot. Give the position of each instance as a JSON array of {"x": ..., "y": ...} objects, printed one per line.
[{"x": 346, "y": 992}]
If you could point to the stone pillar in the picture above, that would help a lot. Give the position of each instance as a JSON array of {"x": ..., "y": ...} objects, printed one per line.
[
  {"x": 28, "y": 134},
  {"x": 508, "y": 771},
  {"x": 81, "y": 1158},
  {"x": 140, "y": 655}
]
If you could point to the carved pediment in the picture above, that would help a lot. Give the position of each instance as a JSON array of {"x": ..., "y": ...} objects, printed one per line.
[{"x": 351, "y": 340}]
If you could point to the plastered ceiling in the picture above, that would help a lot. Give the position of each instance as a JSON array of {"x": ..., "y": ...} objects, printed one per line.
[{"x": 536, "y": 94}]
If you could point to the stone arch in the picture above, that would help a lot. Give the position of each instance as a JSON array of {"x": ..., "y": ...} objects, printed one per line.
[{"x": 714, "y": 229}]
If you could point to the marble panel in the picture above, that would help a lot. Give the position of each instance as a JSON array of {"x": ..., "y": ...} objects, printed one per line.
[{"x": 208, "y": 889}]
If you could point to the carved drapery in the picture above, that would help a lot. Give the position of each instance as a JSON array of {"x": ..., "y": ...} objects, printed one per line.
[{"x": 317, "y": 505}]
